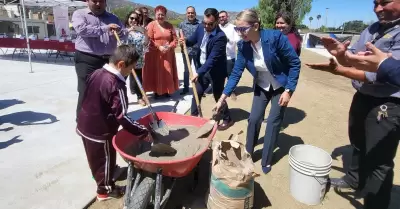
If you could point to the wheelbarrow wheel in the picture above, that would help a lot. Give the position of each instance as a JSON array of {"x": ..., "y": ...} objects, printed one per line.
[{"x": 141, "y": 197}]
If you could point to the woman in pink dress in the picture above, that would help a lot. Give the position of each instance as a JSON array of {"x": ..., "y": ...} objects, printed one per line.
[{"x": 160, "y": 73}]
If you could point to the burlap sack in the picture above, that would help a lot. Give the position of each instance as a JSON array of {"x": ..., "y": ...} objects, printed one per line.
[
  {"x": 232, "y": 176},
  {"x": 232, "y": 164}
]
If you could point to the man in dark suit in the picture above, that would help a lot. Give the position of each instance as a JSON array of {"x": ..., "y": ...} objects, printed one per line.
[{"x": 212, "y": 58}]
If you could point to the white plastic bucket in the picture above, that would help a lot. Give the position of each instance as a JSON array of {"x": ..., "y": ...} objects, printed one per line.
[{"x": 309, "y": 171}]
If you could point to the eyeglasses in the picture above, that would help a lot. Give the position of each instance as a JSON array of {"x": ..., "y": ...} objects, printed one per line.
[
  {"x": 242, "y": 29},
  {"x": 133, "y": 18},
  {"x": 210, "y": 24}
]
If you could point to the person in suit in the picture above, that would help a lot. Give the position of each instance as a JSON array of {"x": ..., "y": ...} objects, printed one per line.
[
  {"x": 212, "y": 58},
  {"x": 272, "y": 61}
]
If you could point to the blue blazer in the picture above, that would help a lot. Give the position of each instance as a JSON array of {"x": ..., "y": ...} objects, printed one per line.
[
  {"x": 215, "y": 51},
  {"x": 389, "y": 72},
  {"x": 279, "y": 56}
]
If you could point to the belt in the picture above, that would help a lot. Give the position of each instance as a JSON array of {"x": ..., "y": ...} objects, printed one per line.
[{"x": 95, "y": 55}]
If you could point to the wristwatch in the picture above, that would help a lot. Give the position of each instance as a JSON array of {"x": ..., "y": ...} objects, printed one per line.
[{"x": 288, "y": 91}]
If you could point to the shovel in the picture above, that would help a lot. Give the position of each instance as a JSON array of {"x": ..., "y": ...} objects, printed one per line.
[
  {"x": 196, "y": 96},
  {"x": 206, "y": 129},
  {"x": 158, "y": 126}
]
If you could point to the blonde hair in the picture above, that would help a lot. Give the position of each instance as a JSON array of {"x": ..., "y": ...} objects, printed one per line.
[{"x": 250, "y": 16}]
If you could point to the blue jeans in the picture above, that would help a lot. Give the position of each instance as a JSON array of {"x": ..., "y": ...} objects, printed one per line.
[
  {"x": 186, "y": 72},
  {"x": 260, "y": 101}
]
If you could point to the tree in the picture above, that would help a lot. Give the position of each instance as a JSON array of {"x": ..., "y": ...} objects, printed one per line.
[
  {"x": 122, "y": 12},
  {"x": 318, "y": 18},
  {"x": 355, "y": 26},
  {"x": 310, "y": 19},
  {"x": 268, "y": 9}
]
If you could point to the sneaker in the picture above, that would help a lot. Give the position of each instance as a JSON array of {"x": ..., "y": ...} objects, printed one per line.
[{"x": 116, "y": 193}]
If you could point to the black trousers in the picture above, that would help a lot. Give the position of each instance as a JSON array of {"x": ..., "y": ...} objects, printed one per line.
[
  {"x": 229, "y": 66},
  {"x": 133, "y": 85},
  {"x": 217, "y": 84},
  {"x": 85, "y": 65},
  {"x": 374, "y": 148}
]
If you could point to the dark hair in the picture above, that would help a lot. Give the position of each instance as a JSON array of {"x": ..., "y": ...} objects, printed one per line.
[
  {"x": 289, "y": 20},
  {"x": 161, "y": 9},
  {"x": 211, "y": 12},
  {"x": 126, "y": 53},
  {"x": 127, "y": 17},
  {"x": 223, "y": 11},
  {"x": 191, "y": 7}
]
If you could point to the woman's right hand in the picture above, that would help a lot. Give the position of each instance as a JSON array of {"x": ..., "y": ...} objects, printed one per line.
[{"x": 217, "y": 108}]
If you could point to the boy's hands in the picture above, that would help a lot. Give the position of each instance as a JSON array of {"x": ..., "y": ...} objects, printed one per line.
[{"x": 147, "y": 137}]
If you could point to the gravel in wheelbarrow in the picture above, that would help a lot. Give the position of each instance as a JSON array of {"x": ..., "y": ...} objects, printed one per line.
[{"x": 151, "y": 169}]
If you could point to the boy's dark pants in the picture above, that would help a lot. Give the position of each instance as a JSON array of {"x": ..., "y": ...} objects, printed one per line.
[{"x": 102, "y": 158}]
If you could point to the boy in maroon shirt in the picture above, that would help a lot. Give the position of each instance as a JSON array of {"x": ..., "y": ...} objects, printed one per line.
[{"x": 104, "y": 109}]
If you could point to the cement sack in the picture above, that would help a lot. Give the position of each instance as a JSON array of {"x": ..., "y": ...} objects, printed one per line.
[{"x": 232, "y": 177}]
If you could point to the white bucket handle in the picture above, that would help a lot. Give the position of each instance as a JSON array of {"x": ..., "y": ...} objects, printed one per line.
[{"x": 310, "y": 173}]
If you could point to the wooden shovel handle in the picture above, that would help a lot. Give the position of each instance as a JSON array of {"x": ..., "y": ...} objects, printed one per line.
[
  {"x": 196, "y": 96},
  {"x": 117, "y": 37}
]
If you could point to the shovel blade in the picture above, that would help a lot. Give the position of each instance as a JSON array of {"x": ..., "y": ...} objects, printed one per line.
[
  {"x": 206, "y": 129},
  {"x": 160, "y": 127}
]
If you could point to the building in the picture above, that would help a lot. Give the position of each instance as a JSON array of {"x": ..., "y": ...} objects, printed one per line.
[{"x": 39, "y": 18}]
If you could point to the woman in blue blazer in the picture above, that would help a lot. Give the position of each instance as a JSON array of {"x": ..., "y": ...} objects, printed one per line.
[{"x": 275, "y": 66}]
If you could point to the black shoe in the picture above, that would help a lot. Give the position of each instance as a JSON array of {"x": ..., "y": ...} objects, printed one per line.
[
  {"x": 184, "y": 92},
  {"x": 340, "y": 183},
  {"x": 116, "y": 193}
]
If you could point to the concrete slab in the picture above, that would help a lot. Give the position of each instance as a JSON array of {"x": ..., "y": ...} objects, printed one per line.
[{"x": 42, "y": 161}]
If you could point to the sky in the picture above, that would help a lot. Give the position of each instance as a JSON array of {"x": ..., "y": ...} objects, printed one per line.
[{"x": 339, "y": 11}]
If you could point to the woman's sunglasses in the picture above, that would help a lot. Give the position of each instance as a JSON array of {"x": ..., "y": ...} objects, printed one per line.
[
  {"x": 134, "y": 18},
  {"x": 242, "y": 29}
]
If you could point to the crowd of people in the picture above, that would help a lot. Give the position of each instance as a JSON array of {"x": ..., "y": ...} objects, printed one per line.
[{"x": 220, "y": 52}]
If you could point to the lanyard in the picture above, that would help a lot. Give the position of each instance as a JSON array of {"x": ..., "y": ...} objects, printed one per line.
[{"x": 378, "y": 35}]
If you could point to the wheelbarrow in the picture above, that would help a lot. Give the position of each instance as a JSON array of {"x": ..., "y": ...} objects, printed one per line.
[{"x": 149, "y": 186}]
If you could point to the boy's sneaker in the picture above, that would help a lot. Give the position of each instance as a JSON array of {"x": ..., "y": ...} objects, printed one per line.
[{"x": 116, "y": 193}]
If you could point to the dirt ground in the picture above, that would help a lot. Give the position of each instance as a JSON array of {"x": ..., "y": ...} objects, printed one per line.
[{"x": 317, "y": 115}]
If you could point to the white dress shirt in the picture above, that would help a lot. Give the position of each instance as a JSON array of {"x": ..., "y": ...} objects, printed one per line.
[
  {"x": 203, "y": 47},
  {"x": 233, "y": 38},
  {"x": 264, "y": 77}
]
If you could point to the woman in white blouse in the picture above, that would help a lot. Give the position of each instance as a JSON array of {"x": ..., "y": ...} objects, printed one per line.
[{"x": 270, "y": 58}]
